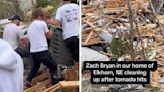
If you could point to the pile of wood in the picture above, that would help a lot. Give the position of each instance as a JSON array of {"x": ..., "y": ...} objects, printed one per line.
[{"x": 42, "y": 82}]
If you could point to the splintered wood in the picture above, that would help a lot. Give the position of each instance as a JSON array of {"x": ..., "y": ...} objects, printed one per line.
[
  {"x": 64, "y": 85},
  {"x": 42, "y": 82},
  {"x": 90, "y": 38},
  {"x": 43, "y": 76},
  {"x": 156, "y": 76},
  {"x": 72, "y": 73}
]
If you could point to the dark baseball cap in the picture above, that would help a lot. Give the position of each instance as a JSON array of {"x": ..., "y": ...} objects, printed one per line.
[{"x": 15, "y": 17}]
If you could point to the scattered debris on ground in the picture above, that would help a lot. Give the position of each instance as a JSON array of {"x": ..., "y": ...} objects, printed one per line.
[{"x": 128, "y": 30}]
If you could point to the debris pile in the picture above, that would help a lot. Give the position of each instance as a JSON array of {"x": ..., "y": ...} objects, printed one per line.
[
  {"x": 42, "y": 82},
  {"x": 128, "y": 30}
]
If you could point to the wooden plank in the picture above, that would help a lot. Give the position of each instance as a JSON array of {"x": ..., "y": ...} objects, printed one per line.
[
  {"x": 92, "y": 9},
  {"x": 161, "y": 70},
  {"x": 68, "y": 84},
  {"x": 54, "y": 87},
  {"x": 88, "y": 38},
  {"x": 114, "y": 3},
  {"x": 161, "y": 55},
  {"x": 160, "y": 59},
  {"x": 141, "y": 1},
  {"x": 72, "y": 74},
  {"x": 40, "y": 77},
  {"x": 93, "y": 41},
  {"x": 38, "y": 86},
  {"x": 107, "y": 54},
  {"x": 62, "y": 85},
  {"x": 120, "y": 14},
  {"x": 89, "y": 23}
]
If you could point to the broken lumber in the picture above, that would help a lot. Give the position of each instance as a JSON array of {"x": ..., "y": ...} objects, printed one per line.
[
  {"x": 62, "y": 85},
  {"x": 43, "y": 76},
  {"x": 53, "y": 88},
  {"x": 38, "y": 86},
  {"x": 88, "y": 38}
]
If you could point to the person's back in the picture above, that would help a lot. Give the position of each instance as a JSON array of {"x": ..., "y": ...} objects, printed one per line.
[
  {"x": 10, "y": 34},
  {"x": 36, "y": 34},
  {"x": 69, "y": 16},
  {"x": 11, "y": 69}
]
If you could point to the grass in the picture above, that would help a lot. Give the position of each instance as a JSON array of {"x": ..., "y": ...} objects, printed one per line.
[{"x": 155, "y": 89}]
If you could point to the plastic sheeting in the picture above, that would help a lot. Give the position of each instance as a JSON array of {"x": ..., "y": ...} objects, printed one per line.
[{"x": 88, "y": 54}]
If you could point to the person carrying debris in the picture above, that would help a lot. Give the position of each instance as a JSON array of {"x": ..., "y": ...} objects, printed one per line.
[
  {"x": 14, "y": 35},
  {"x": 11, "y": 69},
  {"x": 68, "y": 16},
  {"x": 37, "y": 34}
]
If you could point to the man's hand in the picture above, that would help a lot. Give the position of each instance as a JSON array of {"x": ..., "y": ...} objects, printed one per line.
[
  {"x": 53, "y": 22},
  {"x": 24, "y": 42},
  {"x": 49, "y": 34}
]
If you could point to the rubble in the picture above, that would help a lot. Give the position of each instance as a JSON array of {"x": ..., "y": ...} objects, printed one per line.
[
  {"x": 42, "y": 82},
  {"x": 106, "y": 25}
]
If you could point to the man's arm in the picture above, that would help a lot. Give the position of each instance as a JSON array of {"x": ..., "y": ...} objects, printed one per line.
[
  {"x": 24, "y": 42},
  {"x": 48, "y": 33},
  {"x": 53, "y": 22}
]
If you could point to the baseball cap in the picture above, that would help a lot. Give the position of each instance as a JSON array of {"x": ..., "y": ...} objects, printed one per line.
[{"x": 15, "y": 17}]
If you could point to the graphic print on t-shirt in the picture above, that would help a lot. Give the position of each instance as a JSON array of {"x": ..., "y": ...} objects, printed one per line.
[{"x": 71, "y": 15}]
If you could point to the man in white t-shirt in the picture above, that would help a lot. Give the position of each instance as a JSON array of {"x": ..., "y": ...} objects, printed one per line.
[
  {"x": 11, "y": 69},
  {"x": 68, "y": 16},
  {"x": 38, "y": 33},
  {"x": 14, "y": 35}
]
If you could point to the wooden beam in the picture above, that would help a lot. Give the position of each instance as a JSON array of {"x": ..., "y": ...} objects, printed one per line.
[
  {"x": 56, "y": 88},
  {"x": 107, "y": 54},
  {"x": 89, "y": 23},
  {"x": 40, "y": 77},
  {"x": 38, "y": 86},
  {"x": 67, "y": 84},
  {"x": 88, "y": 38},
  {"x": 63, "y": 84},
  {"x": 53, "y": 88},
  {"x": 90, "y": 10},
  {"x": 120, "y": 14}
]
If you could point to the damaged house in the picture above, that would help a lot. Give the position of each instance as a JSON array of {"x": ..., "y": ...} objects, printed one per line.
[{"x": 126, "y": 30}]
